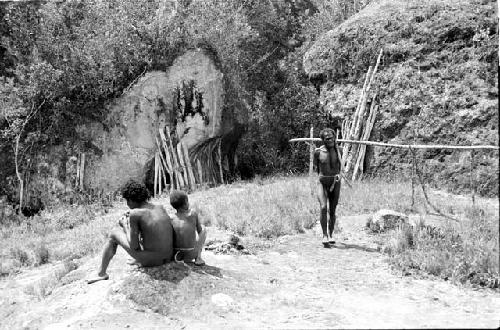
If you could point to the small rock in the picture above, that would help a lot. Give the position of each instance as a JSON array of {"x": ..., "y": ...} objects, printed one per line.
[{"x": 221, "y": 300}]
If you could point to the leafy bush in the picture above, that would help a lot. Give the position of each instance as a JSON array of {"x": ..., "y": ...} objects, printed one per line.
[{"x": 72, "y": 57}]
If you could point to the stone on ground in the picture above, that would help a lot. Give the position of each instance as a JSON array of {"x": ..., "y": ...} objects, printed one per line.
[{"x": 384, "y": 220}]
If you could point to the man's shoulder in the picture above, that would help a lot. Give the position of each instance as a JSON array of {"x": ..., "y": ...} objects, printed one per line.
[
  {"x": 320, "y": 149},
  {"x": 147, "y": 212}
]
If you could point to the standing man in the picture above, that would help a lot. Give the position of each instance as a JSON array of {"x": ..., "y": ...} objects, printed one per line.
[
  {"x": 145, "y": 232},
  {"x": 327, "y": 160}
]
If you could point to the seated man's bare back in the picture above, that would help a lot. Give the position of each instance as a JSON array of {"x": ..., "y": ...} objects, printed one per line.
[
  {"x": 186, "y": 225},
  {"x": 145, "y": 235},
  {"x": 145, "y": 232}
]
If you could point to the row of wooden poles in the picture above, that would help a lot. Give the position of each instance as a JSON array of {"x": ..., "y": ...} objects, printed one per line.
[
  {"x": 357, "y": 129},
  {"x": 356, "y": 133},
  {"x": 360, "y": 127},
  {"x": 175, "y": 168}
]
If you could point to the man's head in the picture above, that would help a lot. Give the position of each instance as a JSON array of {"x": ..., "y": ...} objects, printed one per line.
[
  {"x": 179, "y": 199},
  {"x": 327, "y": 135},
  {"x": 135, "y": 193}
]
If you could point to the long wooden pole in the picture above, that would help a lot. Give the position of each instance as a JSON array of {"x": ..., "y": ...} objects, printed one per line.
[
  {"x": 82, "y": 172},
  {"x": 188, "y": 162},
  {"x": 165, "y": 166},
  {"x": 170, "y": 161},
  {"x": 404, "y": 146},
  {"x": 472, "y": 186},
  {"x": 311, "y": 151},
  {"x": 155, "y": 184},
  {"x": 183, "y": 165},
  {"x": 219, "y": 151},
  {"x": 175, "y": 161},
  {"x": 352, "y": 125},
  {"x": 200, "y": 170},
  {"x": 364, "y": 137}
]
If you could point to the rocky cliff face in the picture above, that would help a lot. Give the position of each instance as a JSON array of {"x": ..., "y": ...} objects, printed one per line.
[
  {"x": 437, "y": 83},
  {"x": 188, "y": 99}
]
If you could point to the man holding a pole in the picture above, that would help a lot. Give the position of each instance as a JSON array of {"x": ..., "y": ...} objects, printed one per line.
[{"x": 327, "y": 160}]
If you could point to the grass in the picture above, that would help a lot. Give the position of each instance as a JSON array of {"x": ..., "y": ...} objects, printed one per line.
[
  {"x": 65, "y": 233},
  {"x": 285, "y": 205},
  {"x": 276, "y": 206},
  {"x": 464, "y": 252}
]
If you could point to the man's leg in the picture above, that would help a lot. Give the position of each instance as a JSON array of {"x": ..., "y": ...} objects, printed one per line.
[
  {"x": 333, "y": 200},
  {"x": 322, "y": 194},
  {"x": 108, "y": 253}
]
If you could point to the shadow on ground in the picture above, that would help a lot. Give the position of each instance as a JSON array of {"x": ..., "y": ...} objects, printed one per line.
[
  {"x": 175, "y": 272},
  {"x": 344, "y": 246}
]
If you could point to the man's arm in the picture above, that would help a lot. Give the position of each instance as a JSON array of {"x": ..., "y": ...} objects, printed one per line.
[
  {"x": 133, "y": 233},
  {"x": 199, "y": 227},
  {"x": 316, "y": 159},
  {"x": 339, "y": 156}
]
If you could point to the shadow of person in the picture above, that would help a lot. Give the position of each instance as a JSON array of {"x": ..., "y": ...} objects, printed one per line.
[
  {"x": 170, "y": 272},
  {"x": 175, "y": 272},
  {"x": 208, "y": 270},
  {"x": 344, "y": 246}
]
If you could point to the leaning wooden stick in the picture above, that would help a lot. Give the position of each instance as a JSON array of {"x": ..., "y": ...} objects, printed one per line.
[
  {"x": 178, "y": 175},
  {"x": 188, "y": 162}
]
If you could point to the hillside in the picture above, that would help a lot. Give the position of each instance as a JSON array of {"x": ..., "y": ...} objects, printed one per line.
[{"x": 437, "y": 83}]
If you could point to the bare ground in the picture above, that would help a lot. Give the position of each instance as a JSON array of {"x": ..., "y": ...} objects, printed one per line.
[{"x": 295, "y": 283}]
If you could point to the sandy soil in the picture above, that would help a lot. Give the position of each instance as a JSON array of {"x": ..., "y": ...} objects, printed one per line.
[{"x": 296, "y": 283}]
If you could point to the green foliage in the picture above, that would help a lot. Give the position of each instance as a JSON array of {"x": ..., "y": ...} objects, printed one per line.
[
  {"x": 275, "y": 119},
  {"x": 72, "y": 57},
  {"x": 436, "y": 83}
]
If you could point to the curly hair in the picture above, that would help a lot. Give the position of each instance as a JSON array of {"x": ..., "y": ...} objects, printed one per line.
[
  {"x": 324, "y": 131},
  {"x": 178, "y": 199},
  {"x": 135, "y": 191}
]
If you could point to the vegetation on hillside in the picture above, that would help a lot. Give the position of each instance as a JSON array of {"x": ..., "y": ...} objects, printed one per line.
[
  {"x": 62, "y": 62},
  {"x": 437, "y": 83}
]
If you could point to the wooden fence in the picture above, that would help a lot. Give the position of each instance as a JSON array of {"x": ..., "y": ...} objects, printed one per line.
[
  {"x": 412, "y": 147},
  {"x": 177, "y": 168}
]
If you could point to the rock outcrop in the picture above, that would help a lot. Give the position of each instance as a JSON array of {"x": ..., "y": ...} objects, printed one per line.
[
  {"x": 188, "y": 99},
  {"x": 436, "y": 84}
]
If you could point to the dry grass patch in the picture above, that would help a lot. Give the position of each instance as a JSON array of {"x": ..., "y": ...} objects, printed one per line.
[
  {"x": 65, "y": 233},
  {"x": 463, "y": 252}
]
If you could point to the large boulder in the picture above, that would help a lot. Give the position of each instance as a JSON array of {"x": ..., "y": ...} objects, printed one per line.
[
  {"x": 384, "y": 220},
  {"x": 188, "y": 99},
  {"x": 436, "y": 83}
]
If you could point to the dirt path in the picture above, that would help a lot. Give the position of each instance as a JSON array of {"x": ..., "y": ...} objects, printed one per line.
[{"x": 294, "y": 284}]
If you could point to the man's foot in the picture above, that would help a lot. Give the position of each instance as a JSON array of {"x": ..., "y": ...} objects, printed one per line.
[
  {"x": 199, "y": 262},
  {"x": 98, "y": 278},
  {"x": 133, "y": 262},
  {"x": 331, "y": 240},
  {"x": 325, "y": 242}
]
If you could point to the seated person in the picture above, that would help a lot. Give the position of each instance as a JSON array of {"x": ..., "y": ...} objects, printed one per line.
[
  {"x": 186, "y": 224},
  {"x": 145, "y": 232}
]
